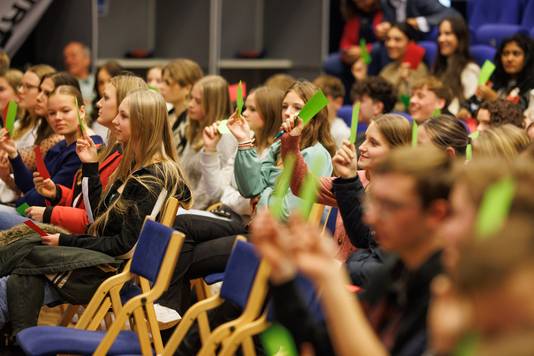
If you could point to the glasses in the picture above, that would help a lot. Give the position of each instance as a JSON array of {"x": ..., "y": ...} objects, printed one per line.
[
  {"x": 385, "y": 207},
  {"x": 27, "y": 86}
]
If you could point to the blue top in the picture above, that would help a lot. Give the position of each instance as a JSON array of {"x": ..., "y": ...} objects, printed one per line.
[{"x": 62, "y": 163}]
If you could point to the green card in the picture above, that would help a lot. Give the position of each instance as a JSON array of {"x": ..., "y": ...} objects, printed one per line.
[
  {"x": 364, "y": 53},
  {"x": 436, "y": 112},
  {"x": 485, "y": 72},
  {"x": 21, "y": 209},
  {"x": 495, "y": 206},
  {"x": 469, "y": 152},
  {"x": 281, "y": 187},
  {"x": 354, "y": 123},
  {"x": 153, "y": 88},
  {"x": 414, "y": 133},
  {"x": 11, "y": 116},
  {"x": 467, "y": 345},
  {"x": 80, "y": 122},
  {"x": 474, "y": 135},
  {"x": 316, "y": 103},
  {"x": 278, "y": 341},
  {"x": 239, "y": 100},
  {"x": 223, "y": 127},
  {"x": 308, "y": 191},
  {"x": 405, "y": 100}
]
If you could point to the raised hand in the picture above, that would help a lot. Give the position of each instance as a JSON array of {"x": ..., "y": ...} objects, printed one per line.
[
  {"x": 7, "y": 144},
  {"x": 35, "y": 213},
  {"x": 293, "y": 125},
  {"x": 45, "y": 187},
  {"x": 86, "y": 150},
  {"x": 345, "y": 161},
  {"x": 238, "y": 126},
  {"x": 211, "y": 137}
]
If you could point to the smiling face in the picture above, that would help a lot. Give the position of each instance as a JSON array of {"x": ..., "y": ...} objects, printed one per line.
[
  {"x": 423, "y": 102},
  {"x": 447, "y": 40},
  {"x": 62, "y": 116},
  {"x": 396, "y": 43},
  {"x": 107, "y": 106},
  {"x": 374, "y": 146},
  {"x": 7, "y": 93},
  {"x": 46, "y": 88},
  {"x": 121, "y": 122}
]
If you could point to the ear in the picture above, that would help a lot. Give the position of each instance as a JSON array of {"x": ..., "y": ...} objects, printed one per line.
[
  {"x": 441, "y": 103},
  {"x": 450, "y": 152},
  {"x": 378, "y": 108},
  {"x": 188, "y": 87},
  {"x": 437, "y": 212}
]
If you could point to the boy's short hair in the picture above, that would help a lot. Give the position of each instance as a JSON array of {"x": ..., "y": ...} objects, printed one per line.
[
  {"x": 330, "y": 85},
  {"x": 436, "y": 86},
  {"x": 378, "y": 89}
]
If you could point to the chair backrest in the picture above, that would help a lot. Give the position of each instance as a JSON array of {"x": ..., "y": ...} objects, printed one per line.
[
  {"x": 481, "y": 53},
  {"x": 494, "y": 34},
  {"x": 239, "y": 274},
  {"x": 480, "y": 12},
  {"x": 150, "y": 250},
  {"x": 431, "y": 51},
  {"x": 345, "y": 113},
  {"x": 528, "y": 15},
  {"x": 167, "y": 215}
]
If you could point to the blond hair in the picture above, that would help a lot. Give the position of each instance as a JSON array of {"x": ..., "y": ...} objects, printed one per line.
[
  {"x": 395, "y": 129},
  {"x": 216, "y": 105},
  {"x": 506, "y": 141},
  {"x": 183, "y": 71},
  {"x": 151, "y": 135}
]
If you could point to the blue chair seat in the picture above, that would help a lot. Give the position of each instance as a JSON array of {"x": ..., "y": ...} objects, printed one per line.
[
  {"x": 43, "y": 340},
  {"x": 214, "y": 278}
]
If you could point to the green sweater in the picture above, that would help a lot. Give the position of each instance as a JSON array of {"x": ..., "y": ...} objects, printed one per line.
[{"x": 257, "y": 177}]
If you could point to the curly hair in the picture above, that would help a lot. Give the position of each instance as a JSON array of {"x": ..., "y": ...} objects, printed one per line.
[
  {"x": 503, "y": 112},
  {"x": 378, "y": 89}
]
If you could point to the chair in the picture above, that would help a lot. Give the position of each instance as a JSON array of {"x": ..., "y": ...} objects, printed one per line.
[
  {"x": 532, "y": 33},
  {"x": 431, "y": 51},
  {"x": 528, "y": 15},
  {"x": 494, "y": 34},
  {"x": 105, "y": 299},
  {"x": 345, "y": 113},
  {"x": 245, "y": 285},
  {"x": 481, "y": 53},
  {"x": 153, "y": 262},
  {"x": 481, "y": 12}
]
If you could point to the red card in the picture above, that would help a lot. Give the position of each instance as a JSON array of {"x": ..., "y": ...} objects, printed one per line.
[
  {"x": 35, "y": 228},
  {"x": 414, "y": 55},
  {"x": 39, "y": 162},
  {"x": 232, "y": 89}
]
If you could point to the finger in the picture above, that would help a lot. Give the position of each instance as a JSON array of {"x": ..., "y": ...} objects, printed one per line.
[{"x": 348, "y": 152}]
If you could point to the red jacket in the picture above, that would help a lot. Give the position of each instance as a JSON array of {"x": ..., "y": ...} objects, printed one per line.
[
  {"x": 74, "y": 218},
  {"x": 351, "y": 31}
]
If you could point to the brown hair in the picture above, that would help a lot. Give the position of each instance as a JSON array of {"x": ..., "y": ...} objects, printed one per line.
[
  {"x": 503, "y": 112},
  {"x": 280, "y": 81},
  {"x": 330, "y": 85},
  {"x": 436, "y": 86},
  {"x": 4, "y": 62},
  {"x": 395, "y": 128},
  {"x": 269, "y": 106},
  {"x": 183, "y": 71},
  {"x": 216, "y": 104},
  {"x": 506, "y": 141},
  {"x": 428, "y": 166},
  {"x": 12, "y": 77},
  {"x": 318, "y": 129},
  {"x": 447, "y": 131},
  {"x": 378, "y": 89}
]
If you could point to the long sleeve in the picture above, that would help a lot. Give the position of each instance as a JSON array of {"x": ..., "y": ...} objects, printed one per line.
[
  {"x": 432, "y": 11},
  {"x": 23, "y": 176},
  {"x": 351, "y": 33},
  {"x": 250, "y": 172},
  {"x": 349, "y": 195},
  {"x": 469, "y": 79}
]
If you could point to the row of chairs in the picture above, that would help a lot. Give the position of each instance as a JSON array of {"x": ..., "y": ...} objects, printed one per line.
[
  {"x": 154, "y": 259},
  {"x": 511, "y": 12}
]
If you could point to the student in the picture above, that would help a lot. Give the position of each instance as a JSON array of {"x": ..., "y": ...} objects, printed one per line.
[
  {"x": 453, "y": 64},
  {"x": 103, "y": 75},
  {"x": 45, "y": 137},
  {"x": 154, "y": 77},
  {"x": 142, "y": 127},
  {"x": 428, "y": 96},
  {"x": 263, "y": 110},
  {"x": 446, "y": 133},
  {"x": 67, "y": 205},
  {"x": 61, "y": 160},
  {"x": 9, "y": 82},
  {"x": 5, "y": 61},
  {"x": 384, "y": 133},
  {"x": 398, "y": 72},
  {"x": 210, "y": 102},
  {"x": 280, "y": 81},
  {"x": 178, "y": 79},
  {"x": 497, "y": 113},
  {"x": 405, "y": 217},
  {"x": 210, "y": 240},
  {"x": 506, "y": 141},
  {"x": 334, "y": 91},
  {"x": 28, "y": 90},
  {"x": 513, "y": 78},
  {"x": 376, "y": 96}
]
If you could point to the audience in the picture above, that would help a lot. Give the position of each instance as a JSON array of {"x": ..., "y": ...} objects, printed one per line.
[{"x": 77, "y": 59}]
